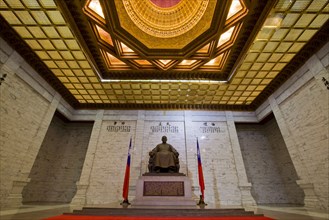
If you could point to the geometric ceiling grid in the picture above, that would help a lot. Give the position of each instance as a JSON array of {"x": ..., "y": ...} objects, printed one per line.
[{"x": 116, "y": 55}]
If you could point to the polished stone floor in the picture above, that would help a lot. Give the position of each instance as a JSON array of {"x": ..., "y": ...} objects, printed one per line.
[{"x": 38, "y": 212}]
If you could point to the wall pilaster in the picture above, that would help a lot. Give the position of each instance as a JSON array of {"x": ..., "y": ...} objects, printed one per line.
[
  {"x": 244, "y": 185},
  {"x": 138, "y": 152},
  {"x": 191, "y": 163},
  {"x": 82, "y": 185}
]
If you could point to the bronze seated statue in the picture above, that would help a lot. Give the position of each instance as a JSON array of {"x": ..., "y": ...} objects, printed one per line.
[{"x": 163, "y": 158}]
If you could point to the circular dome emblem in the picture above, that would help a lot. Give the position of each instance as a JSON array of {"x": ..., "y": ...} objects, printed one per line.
[
  {"x": 165, "y": 3},
  {"x": 165, "y": 18}
]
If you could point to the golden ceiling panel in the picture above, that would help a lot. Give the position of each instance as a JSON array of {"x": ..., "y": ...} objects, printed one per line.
[
  {"x": 57, "y": 44},
  {"x": 282, "y": 39}
]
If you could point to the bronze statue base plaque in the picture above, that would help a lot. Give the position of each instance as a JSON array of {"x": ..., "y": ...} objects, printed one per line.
[
  {"x": 152, "y": 188},
  {"x": 164, "y": 191}
]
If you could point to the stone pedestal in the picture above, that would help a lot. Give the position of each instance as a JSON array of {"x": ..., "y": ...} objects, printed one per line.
[
  {"x": 80, "y": 197},
  {"x": 310, "y": 200},
  {"x": 246, "y": 197},
  {"x": 15, "y": 197},
  {"x": 163, "y": 191}
]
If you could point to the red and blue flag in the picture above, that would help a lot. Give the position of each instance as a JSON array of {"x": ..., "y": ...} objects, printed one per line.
[
  {"x": 200, "y": 172},
  {"x": 127, "y": 175}
]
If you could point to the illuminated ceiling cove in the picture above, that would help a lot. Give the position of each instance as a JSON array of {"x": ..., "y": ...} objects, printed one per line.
[{"x": 172, "y": 54}]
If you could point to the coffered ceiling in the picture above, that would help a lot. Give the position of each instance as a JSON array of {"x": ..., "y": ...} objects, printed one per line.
[{"x": 168, "y": 54}]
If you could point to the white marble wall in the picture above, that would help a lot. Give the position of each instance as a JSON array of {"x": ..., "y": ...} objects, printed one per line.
[
  {"x": 301, "y": 107},
  {"x": 306, "y": 115},
  {"x": 219, "y": 168},
  {"x": 103, "y": 185},
  {"x": 293, "y": 193},
  {"x": 24, "y": 119},
  {"x": 58, "y": 165},
  {"x": 269, "y": 167},
  {"x": 109, "y": 163}
]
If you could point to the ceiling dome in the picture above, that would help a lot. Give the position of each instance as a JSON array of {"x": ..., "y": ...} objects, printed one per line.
[{"x": 165, "y": 19}]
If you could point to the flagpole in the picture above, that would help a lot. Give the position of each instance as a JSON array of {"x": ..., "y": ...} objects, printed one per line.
[
  {"x": 185, "y": 144},
  {"x": 126, "y": 178},
  {"x": 200, "y": 174}
]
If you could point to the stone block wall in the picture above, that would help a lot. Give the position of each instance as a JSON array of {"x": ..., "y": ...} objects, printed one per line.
[
  {"x": 261, "y": 168},
  {"x": 105, "y": 181},
  {"x": 110, "y": 159},
  {"x": 293, "y": 193},
  {"x": 59, "y": 162},
  {"x": 268, "y": 164},
  {"x": 306, "y": 116},
  {"x": 219, "y": 168},
  {"x": 22, "y": 113},
  {"x": 301, "y": 109}
]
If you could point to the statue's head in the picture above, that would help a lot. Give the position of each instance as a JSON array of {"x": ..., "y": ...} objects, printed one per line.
[{"x": 164, "y": 139}]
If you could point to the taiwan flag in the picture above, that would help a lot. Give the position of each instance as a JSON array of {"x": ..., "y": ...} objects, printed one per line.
[
  {"x": 127, "y": 175},
  {"x": 201, "y": 180}
]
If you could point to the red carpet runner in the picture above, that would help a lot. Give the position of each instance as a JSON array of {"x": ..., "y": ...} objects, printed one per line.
[
  {"x": 95, "y": 213},
  {"x": 75, "y": 217}
]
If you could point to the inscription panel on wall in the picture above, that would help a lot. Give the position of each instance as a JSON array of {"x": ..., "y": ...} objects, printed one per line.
[
  {"x": 209, "y": 127},
  {"x": 157, "y": 188},
  {"x": 164, "y": 128},
  {"x": 118, "y": 127}
]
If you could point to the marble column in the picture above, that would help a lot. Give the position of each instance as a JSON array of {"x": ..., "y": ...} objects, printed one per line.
[
  {"x": 244, "y": 185},
  {"x": 82, "y": 185},
  {"x": 139, "y": 153},
  {"x": 191, "y": 161}
]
